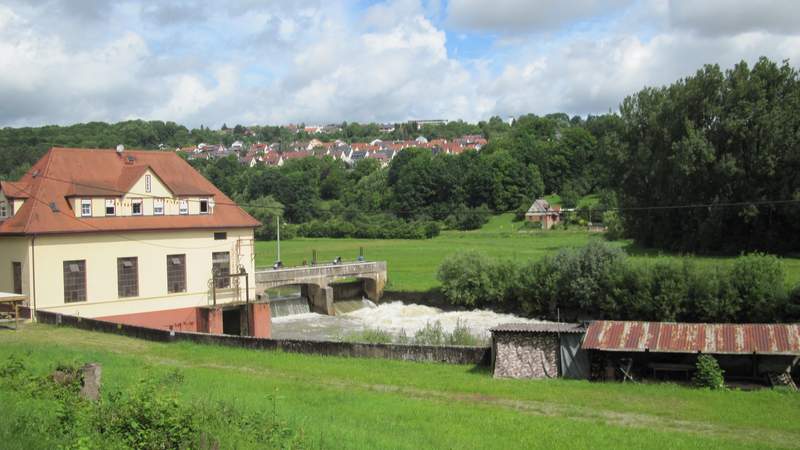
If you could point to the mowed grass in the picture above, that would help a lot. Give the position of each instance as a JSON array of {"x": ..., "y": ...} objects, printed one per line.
[
  {"x": 412, "y": 264},
  {"x": 370, "y": 403}
]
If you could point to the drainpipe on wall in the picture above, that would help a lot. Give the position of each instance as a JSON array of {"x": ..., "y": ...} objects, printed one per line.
[{"x": 33, "y": 277}]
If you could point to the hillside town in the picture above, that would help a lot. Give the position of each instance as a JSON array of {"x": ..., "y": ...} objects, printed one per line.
[{"x": 276, "y": 153}]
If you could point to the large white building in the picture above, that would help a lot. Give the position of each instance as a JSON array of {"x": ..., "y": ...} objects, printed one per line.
[{"x": 129, "y": 236}]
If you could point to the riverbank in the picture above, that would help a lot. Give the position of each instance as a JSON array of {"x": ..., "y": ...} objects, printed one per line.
[
  {"x": 412, "y": 264},
  {"x": 363, "y": 403}
]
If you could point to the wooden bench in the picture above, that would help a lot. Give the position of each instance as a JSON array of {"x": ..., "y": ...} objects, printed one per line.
[
  {"x": 671, "y": 367},
  {"x": 9, "y": 306}
]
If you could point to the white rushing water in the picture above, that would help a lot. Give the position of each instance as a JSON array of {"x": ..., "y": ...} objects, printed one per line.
[{"x": 394, "y": 317}]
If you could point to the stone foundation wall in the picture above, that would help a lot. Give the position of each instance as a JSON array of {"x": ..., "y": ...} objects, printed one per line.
[{"x": 523, "y": 355}]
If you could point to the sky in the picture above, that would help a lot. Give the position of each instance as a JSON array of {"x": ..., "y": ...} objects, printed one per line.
[{"x": 275, "y": 62}]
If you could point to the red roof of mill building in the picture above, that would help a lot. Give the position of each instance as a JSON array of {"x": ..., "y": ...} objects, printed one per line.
[{"x": 70, "y": 172}]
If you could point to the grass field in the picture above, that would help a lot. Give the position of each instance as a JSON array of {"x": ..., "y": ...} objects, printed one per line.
[
  {"x": 363, "y": 403},
  {"x": 412, "y": 264}
]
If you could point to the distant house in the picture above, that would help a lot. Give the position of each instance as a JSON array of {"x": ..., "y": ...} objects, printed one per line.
[{"x": 542, "y": 212}]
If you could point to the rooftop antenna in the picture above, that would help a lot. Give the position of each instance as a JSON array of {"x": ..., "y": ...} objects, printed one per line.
[{"x": 120, "y": 149}]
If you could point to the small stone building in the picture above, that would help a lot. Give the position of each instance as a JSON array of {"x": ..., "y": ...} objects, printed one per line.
[
  {"x": 538, "y": 350},
  {"x": 542, "y": 212}
]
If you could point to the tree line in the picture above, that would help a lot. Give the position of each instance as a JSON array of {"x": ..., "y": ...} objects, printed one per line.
[{"x": 601, "y": 281}]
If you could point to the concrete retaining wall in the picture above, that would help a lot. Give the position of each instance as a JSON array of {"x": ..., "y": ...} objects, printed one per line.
[
  {"x": 450, "y": 355},
  {"x": 348, "y": 291}
]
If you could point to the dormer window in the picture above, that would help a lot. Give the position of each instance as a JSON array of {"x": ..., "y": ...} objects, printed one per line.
[
  {"x": 86, "y": 207},
  {"x": 136, "y": 207},
  {"x": 158, "y": 207},
  {"x": 111, "y": 208},
  {"x": 184, "y": 207},
  {"x": 204, "y": 206}
]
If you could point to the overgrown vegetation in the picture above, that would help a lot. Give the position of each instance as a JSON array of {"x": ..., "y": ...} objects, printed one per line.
[
  {"x": 431, "y": 334},
  {"x": 599, "y": 280},
  {"x": 708, "y": 373},
  {"x": 146, "y": 415}
]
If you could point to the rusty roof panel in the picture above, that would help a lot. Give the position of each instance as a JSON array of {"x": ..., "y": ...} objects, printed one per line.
[
  {"x": 541, "y": 327},
  {"x": 774, "y": 339}
]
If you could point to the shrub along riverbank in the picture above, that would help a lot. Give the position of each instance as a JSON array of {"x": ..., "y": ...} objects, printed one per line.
[{"x": 599, "y": 280}]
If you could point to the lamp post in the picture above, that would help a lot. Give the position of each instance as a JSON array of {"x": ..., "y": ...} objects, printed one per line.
[{"x": 278, "y": 223}]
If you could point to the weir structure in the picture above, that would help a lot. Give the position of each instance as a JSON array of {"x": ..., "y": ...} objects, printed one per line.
[{"x": 315, "y": 281}]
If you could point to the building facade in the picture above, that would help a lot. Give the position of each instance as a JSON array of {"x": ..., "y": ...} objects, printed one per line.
[
  {"x": 129, "y": 235},
  {"x": 542, "y": 212},
  {"x": 539, "y": 350}
]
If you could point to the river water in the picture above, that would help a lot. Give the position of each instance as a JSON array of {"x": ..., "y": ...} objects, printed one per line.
[{"x": 394, "y": 317}]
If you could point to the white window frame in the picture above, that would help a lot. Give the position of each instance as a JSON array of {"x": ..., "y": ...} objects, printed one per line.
[
  {"x": 84, "y": 203},
  {"x": 3, "y": 209},
  {"x": 158, "y": 206},
  {"x": 112, "y": 204},
  {"x": 148, "y": 183},
  {"x": 208, "y": 206},
  {"x": 137, "y": 201},
  {"x": 183, "y": 207}
]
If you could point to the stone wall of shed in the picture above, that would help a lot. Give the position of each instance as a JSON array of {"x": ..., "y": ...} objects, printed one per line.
[{"x": 526, "y": 355}]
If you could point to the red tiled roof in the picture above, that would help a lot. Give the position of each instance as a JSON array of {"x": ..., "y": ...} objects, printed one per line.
[
  {"x": 64, "y": 172},
  {"x": 13, "y": 190},
  {"x": 297, "y": 154},
  {"x": 711, "y": 338}
]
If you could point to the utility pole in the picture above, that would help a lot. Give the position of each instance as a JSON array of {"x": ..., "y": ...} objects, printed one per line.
[{"x": 278, "y": 223}]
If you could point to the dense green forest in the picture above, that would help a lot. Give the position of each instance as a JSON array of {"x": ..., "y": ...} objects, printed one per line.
[
  {"x": 714, "y": 139},
  {"x": 710, "y": 163}
]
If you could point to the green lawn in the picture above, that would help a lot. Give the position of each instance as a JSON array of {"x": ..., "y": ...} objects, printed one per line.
[
  {"x": 365, "y": 403},
  {"x": 413, "y": 263}
]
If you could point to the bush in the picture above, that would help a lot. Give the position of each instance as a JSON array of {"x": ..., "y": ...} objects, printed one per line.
[
  {"x": 708, "y": 374},
  {"x": 430, "y": 334},
  {"x": 613, "y": 224},
  {"x": 145, "y": 417},
  {"x": 758, "y": 280},
  {"x": 369, "y": 227},
  {"x": 465, "y": 218},
  {"x": 462, "y": 335},
  {"x": 471, "y": 278},
  {"x": 369, "y": 336},
  {"x": 792, "y": 312},
  {"x": 52, "y": 414},
  {"x": 599, "y": 281}
]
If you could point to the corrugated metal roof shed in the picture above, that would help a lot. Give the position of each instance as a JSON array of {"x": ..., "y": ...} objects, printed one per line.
[
  {"x": 722, "y": 338},
  {"x": 544, "y": 327}
]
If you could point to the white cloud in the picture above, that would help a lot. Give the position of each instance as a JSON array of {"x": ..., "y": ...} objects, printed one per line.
[
  {"x": 726, "y": 17},
  {"x": 526, "y": 15},
  {"x": 251, "y": 62},
  {"x": 585, "y": 75}
]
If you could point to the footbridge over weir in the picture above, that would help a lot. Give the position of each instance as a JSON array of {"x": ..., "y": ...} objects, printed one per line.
[{"x": 315, "y": 281}]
